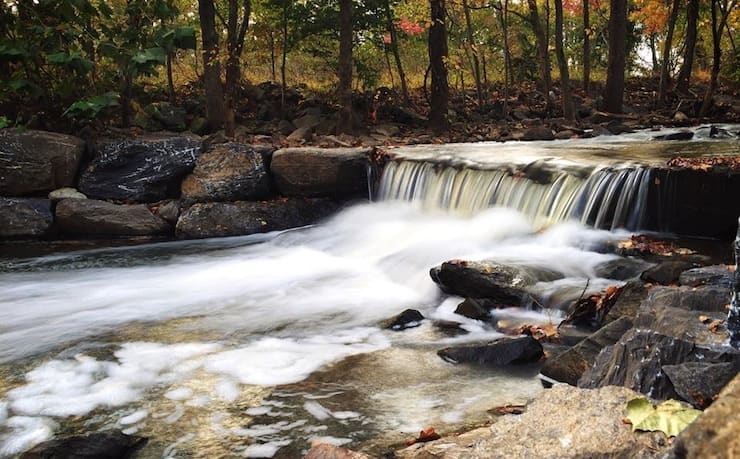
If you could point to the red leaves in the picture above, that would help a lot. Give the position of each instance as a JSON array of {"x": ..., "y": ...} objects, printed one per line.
[
  {"x": 731, "y": 163},
  {"x": 428, "y": 434},
  {"x": 547, "y": 333},
  {"x": 592, "y": 310}
]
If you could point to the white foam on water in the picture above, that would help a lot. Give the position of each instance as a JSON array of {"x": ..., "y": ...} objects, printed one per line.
[
  {"x": 317, "y": 410},
  {"x": 24, "y": 432},
  {"x": 265, "y": 450},
  {"x": 182, "y": 393},
  {"x": 133, "y": 418},
  {"x": 336, "y": 441}
]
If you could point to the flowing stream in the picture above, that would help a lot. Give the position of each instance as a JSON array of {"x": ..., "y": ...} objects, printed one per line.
[{"x": 255, "y": 346}]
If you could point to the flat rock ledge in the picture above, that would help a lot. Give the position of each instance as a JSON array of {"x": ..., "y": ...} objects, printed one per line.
[{"x": 562, "y": 422}]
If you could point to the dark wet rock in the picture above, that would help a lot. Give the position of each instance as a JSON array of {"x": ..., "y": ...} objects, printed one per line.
[
  {"x": 317, "y": 172},
  {"x": 409, "y": 318},
  {"x": 285, "y": 127},
  {"x": 171, "y": 117},
  {"x": 681, "y": 135},
  {"x": 538, "y": 133},
  {"x": 104, "y": 445},
  {"x": 628, "y": 302},
  {"x": 565, "y": 134},
  {"x": 100, "y": 218},
  {"x": 475, "y": 308},
  {"x": 719, "y": 276},
  {"x": 229, "y": 172},
  {"x": 168, "y": 211},
  {"x": 25, "y": 218},
  {"x": 143, "y": 169},
  {"x": 562, "y": 422},
  {"x": 622, "y": 268},
  {"x": 310, "y": 120},
  {"x": 596, "y": 131},
  {"x": 667, "y": 272},
  {"x": 505, "y": 351},
  {"x": 37, "y": 161},
  {"x": 502, "y": 284},
  {"x": 219, "y": 219},
  {"x": 714, "y": 433},
  {"x": 699, "y": 383},
  {"x": 569, "y": 366},
  {"x": 617, "y": 128},
  {"x": 705, "y": 298},
  {"x": 449, "y": 327},
  {"x": 327, "y": 451}
]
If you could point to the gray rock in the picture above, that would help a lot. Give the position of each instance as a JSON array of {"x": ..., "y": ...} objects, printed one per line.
[
  {"x": 317, "y": 172},
  {"x": 719, "y": 276},
  {"x": 169, "y": 211},
  {"x": 37, "y": 161},
  {"x": 169, "y": 116},
  {"x": 100, "y": 218},
  {"x": 219, "y": 219},
  {"x": 409, "y": 318},
  {"x": 310, "y": 121},
  {"x": 103, "y": 445},
  {"x": 714, "y": 433},
  {"x": 628, "y": 302},
  {"x": 388, "y": 130},
  {"x": 705, "y": 298},
  {"x": 302, "y": 133},
  {"x": 474, "y": 308},
  {"x": 505, "y": 351},
  {"x": 24, "y": 217},
  {"x": 699, "y": 383},
  {"x": 622, "y": 268},
  {"x": 562, "y": 422},
  {"x": 569, "y": 366},
  {"x": 65, "y": 193},
  {"x": 681, "y": 135},
  {"x": 229, "y": 172},
  {"x": 285, "y": 127},
  {"x": 199, "y": 126},
  {"x": 142, "y": 169},
  {"x": 538, "y": 133},
  {"x": 327, "y": 451},
  {"x": 667, "y": 272}
]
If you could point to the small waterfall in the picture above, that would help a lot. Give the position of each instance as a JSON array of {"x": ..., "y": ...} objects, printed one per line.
[{"x": 608, "y": 198}]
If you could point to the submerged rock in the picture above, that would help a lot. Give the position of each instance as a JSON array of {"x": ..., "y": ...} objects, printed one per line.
[
  {"x": 409, "y": 318},
  {"x": 562, "y": 422},
  {"x": 505, "y": 351},
  {"x": 327, "y": 451},
  {"x": 37, "y": 161},
  {"x": 219, "y": 219},
  {"x": 25, "y": 217},
  {"x": 143, "y": 169},
  {"x": 315, "y": 172},
  {"x": 104, "y": 445},
  {"x": 100, "y": 218}
]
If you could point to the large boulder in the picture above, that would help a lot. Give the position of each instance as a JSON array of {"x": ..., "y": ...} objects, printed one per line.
[
  {"x": 24, "y": 218},
  {"x": 504, "y": 285},
  {"x": 314, "y": 172},
  {"x": 218, "y": 219},
  {"x": 505, "y": 351},
  {"x": 562, "y": 422},
  {"x": 705, "y": 298},
  {"x": 229, "y": 172},
  {"x": 103, "y": 445},
  {"x": 143, "y": 169},
  {"x": 34, "y": 162},
  {"x": 718, "y": 275},
  {"x": 569, "y": 366},
  {"x": 99, "y": 218}
]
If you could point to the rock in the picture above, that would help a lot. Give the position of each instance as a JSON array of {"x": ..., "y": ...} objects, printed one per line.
[
  {"x": 388, "y": 130},
  {"x": 505, "y": 351},
  {"x": 681, "y": 135},
  {"x": 229, "y": 172},
  {"x": 562, "y": 422},
  {"x": 538, "y": 133},
  {"x": 169, "y": 211},
  {"x": 667, "y": 272},
  {"x": 564, "y": 135},
  {"x": 622, "y": 268},
  {"x": 569, "y": 366},
  {"x": 705, "y": 298},
  {"x": 199, "y": 126},
  {"x": 327, "y": 451},
  {"x": 143, "y": 169},
  {"x": 699, "y": 383},
  {"x": 301, "y": 134},
  {"x": 680, "y": 117},
  {"x": 596, "y": 131},
  {"x": 502, "y": 284},
  {"x": 714, "y": 433},
  {"x": 285, "y": 127},
  {"x": 24, "y": 217},
  {"x": 100, "y": 218},
  {"x": 617, "y": 127},
  {"x": 317, "y": 172},
  {"x": 476, "y": 309},
  {"x": 628, "y": 302},
  {"x": 104, "y": 445},
  {"x": 216, "y": 219},
  {"x": 65, "y": 193},
  {"x": 310, "y": 121},
  {"x": 409, "y": 318},
  {"x": 169, "y": 116},
  {"x": 719, "y": 276},
  {"x": 37, "y": 161}
]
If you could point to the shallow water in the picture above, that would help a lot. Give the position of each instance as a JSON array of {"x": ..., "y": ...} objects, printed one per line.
[{"x": 254, "y": 346}]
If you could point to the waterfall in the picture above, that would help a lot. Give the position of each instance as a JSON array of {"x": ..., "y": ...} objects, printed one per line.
[
  {"x": 733, "y": 317},
  {"x": 607, "y": 198}
]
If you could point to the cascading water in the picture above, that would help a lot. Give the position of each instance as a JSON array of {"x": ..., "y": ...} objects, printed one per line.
[{"x": 607, "y": 198}]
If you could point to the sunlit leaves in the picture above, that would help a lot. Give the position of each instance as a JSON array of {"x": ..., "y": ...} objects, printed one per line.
[{"x": 670, "y": 417}]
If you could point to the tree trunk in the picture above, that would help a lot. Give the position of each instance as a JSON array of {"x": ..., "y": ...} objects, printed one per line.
[
  {"x": 692, "y": 20},
  {"x": 586, "y": 47},
  {"x": 211, "y": 67},
  {"x": 344, "y": 125},
  {"x": 170, "y": 81},
  {"x": 567, "y": 101},
  {"x": 388, "y": 64},
  {"x": 394, "y": 49},
  {"x": 474, "y": 50},
  {"x": 284, "y": 58},
  {"x": 236, "y": 31},
  {"x": 543, "y": 56},
  {"x": 507, "y": 55},
  {"x": 653, "y": 55},
  {"x": 437, "y": 56},
  {"x": 716, "y": 58},
  {"x": 666, "y": 61},
  {"x": 614, "y": 89},
  {"x": 272, "y": 56}
]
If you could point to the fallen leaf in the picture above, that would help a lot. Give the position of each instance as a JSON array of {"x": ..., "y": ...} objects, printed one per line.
[
  {"x": 428, "y": 434},
  {"x": 509, "y": 409},
  {"x": 704, "y": 319},
  {"x": 670, "y": 417},
  {"x": 714, "y": 326}
]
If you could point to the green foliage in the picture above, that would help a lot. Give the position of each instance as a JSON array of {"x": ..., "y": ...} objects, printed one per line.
[
  {"x": 670, "y": 417},
  {"x": 4, "y": 122},
  {"x": 93, "y": 107}
]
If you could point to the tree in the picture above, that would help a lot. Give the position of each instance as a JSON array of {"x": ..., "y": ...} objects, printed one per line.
[
  {"x": 665, "y": 63},
  {"x": 344, "y": 125},
  {"x": 725, "y": 7},
  {"x": 614, "y": 89},
  {"x": 692, "y": 19},
  {"x": 567, "y": 101},
  {"x": 586, "y": 46},
  {"x": 393, "y": 44},
  {"x": 474, "y": 49},
  {"x": 215, "y": 106},
  {"x": 437, "y": 58},
  {"x": 543, "y": 55}
]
